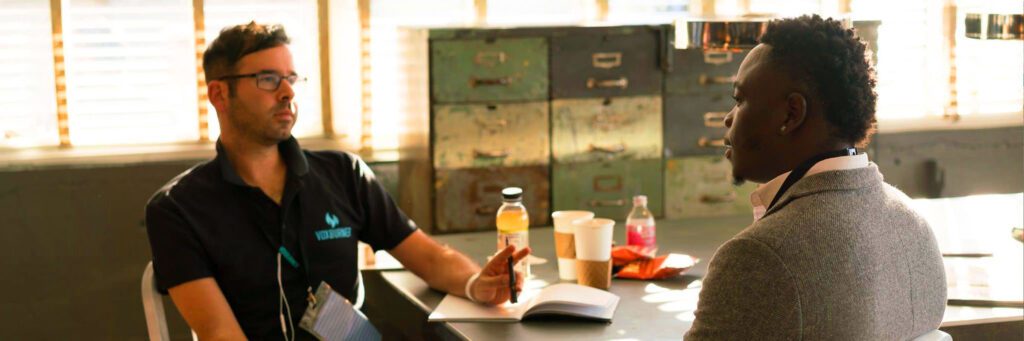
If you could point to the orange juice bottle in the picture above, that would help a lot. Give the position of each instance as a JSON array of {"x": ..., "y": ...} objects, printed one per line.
[{"x": 513, "y": 224}]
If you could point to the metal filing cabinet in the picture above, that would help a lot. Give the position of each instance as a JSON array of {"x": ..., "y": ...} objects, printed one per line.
[
  {"x": 605, "y": 62},
  {"x": 698, "y": 95},
  {"x": 490, "y": 129},
  {"x": 491, "y": 135},
  {"x": 606, "y": 187},
  {"x": 468, "y": 199},
  {"x": 484, "y": 70},
  {"x": 616, "y": 128},
  {"x": 606, "y": 114},
  {"x": 701, "y": 186}
]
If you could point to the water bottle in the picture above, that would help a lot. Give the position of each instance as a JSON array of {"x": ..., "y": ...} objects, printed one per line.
[
  {"x": 513, "y": 224},
  {"x": 640, "y": 227}
]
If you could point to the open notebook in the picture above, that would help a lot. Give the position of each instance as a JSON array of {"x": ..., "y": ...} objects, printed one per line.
[{"x": 565, "y": 299}]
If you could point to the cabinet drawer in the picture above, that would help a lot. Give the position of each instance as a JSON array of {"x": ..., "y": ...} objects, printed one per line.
[
  {"x": 605, "y": 63},
  {"x": 703, "y": 72},
  {"x": 617, "y": 128},
  {"x": 701, "y": 186},
  {"x": 607, "y": 188},
  {"x": 468, "y": 199},
  {"x": 488, "y": 135},
  {"x": 487, "y": 70},
  {"x": 695, "y": 124}
]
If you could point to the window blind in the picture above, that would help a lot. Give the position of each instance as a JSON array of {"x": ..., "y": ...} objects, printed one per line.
[
  {"x": 130, "y": 71},
  {"x": 27, "y": 92}
]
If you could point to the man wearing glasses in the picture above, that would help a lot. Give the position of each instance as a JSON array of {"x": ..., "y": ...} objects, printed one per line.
[{"x": 239, "y": 241}]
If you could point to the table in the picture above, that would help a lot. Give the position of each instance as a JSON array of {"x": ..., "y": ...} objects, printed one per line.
[{"x": 400, "y": 301}]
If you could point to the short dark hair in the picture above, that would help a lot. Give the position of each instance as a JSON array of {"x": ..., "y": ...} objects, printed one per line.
[
  {"x": 830, "y": 60},
  {"x": 233, "y": 43}
]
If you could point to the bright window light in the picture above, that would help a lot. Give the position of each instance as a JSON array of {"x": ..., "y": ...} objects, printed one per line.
[
  {"x": 130, "y": 72},
  {"x": 27, "y": 94}
]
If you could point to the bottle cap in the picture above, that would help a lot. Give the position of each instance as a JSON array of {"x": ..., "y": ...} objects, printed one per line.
[
  {"x": 512, "y": 193},
  {"x": 640, "y": 200}
]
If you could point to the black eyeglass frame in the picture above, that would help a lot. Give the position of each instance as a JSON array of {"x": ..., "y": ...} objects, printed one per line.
[{"x": 271, "y": 83}]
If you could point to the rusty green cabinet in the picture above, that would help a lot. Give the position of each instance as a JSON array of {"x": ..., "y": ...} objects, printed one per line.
[
  {"x": 604, "y": 129},
  {"x": 488, "y": 70},
  {"x": 489, "y": 135},
  {"x": 468, "y": 199},
  {"x": 606, "y": 188},
  {"x": 701, "y": 186},
  {"x": 695, "y": 125},
  {"x": 703, "y": 72},
  {"x": 619, "y": 61}
]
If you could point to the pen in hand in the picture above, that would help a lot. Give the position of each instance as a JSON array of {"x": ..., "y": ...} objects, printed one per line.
[{"x": 511, "y": 276}]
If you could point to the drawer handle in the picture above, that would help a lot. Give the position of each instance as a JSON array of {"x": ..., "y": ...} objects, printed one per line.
[
  {"x": 612, "y": 149},
  {"x": 490, "y": 154},
  {"x": 607, "y": 183},
  {"x": 607, "y": 203},
  {"x": 475, "y": 82},
  {"x": 621, "y": 82},
  {"x": 486, "y": 210},
  {"x": 710, "y": 143},
  {"x": 606, "y": 60},
  {"x": 492, "y": 126},
  {"x": 717, "y": 57},
  {"x": 713, "y": 80},
  {"x": 715, "y": 119},
  {"x": 489, "y": 58},
  {"x": 717, "y": 199}
]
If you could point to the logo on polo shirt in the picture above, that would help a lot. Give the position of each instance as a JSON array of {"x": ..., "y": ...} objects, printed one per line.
[{"x": 333, "y": 231}]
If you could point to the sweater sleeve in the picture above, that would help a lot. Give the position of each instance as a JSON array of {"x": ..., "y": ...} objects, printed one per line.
[{"x": 748, "y": 294}]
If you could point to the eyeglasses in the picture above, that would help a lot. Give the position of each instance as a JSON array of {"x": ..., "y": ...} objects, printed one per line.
[{"x": 267, "y": 80}]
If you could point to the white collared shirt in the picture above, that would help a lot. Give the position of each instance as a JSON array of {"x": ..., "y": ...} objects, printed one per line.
[{"x": 763, "y": 195}]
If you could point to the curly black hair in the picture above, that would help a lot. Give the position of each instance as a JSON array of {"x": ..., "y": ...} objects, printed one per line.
[{"x": 831, "y": 61}]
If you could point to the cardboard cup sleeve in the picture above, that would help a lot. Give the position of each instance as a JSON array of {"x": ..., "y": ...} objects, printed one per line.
[
  {"x": 596, "y": 274},
  {"x": 565, "y": 245}
]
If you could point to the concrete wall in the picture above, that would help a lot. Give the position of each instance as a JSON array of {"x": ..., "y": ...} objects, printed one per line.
[{"x": 74, "y": 248}]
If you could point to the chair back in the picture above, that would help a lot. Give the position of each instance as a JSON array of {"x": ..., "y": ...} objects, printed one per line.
[{"x": 153, "y": 304}]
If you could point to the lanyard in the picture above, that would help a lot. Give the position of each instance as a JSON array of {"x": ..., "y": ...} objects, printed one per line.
[{"x": 801, "y": 170}]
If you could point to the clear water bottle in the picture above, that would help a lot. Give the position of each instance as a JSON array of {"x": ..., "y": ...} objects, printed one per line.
[
  {"x": 513, "y": 224},
  {"x": 640, "y": 227}
]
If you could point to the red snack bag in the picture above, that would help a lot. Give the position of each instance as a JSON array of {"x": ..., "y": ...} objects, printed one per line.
[
  {"x": 622, "y": 255},
  {"x": 660, "y": 267}
]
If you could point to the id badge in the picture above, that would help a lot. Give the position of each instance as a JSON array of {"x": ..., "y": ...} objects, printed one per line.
[{"x": 330, "y": 317}]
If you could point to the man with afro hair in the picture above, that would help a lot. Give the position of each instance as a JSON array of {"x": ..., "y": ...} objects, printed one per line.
[{"x": 834, "y": 253}]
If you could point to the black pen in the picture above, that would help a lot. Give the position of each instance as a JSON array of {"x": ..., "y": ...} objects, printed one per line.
[{"x": 511, "y": 276}]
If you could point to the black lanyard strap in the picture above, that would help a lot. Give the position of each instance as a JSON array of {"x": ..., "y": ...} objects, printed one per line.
[{"x": 801, "y": 170}]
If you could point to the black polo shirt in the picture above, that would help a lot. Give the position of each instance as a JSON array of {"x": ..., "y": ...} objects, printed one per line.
[{"x": 207, "y": 222}]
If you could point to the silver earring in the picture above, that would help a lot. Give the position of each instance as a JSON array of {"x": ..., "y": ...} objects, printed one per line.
[{"x": 782, "y": 130}]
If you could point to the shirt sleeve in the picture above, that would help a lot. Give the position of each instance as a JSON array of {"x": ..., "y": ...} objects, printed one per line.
[
  {"x": 386, "y": 226},
  {"x": 747, "y": 295},
  {"x": 178, "y": 256}
]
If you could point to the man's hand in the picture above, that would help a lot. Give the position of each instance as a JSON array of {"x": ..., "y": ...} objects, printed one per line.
[{"x": 492, "y": 285}]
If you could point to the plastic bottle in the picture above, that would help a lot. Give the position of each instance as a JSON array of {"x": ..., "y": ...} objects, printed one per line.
[
  {"x": 640, "y": 227},
  {"x": 513, "y": 224}
]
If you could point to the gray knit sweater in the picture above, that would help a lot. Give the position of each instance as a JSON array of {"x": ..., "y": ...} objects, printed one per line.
[{"x": 840, "y": 257}]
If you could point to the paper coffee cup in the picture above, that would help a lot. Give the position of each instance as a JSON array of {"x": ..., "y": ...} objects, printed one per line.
[
  {"x": 593, "y": 239},
  {"x": 594, "y": 252},
  {"x": 565, "y": 243}
]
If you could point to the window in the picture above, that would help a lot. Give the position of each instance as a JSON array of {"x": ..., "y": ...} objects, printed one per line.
[
  {"x": 299, "y": 18},
  {"x": 27, "y": 92},
  {"x": 130, "y": 71},
  {"x": 646, "y": 11}
]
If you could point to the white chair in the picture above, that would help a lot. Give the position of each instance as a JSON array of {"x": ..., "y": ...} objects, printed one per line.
[
  {"x": 153, "y": 304},
  {"x": 935, "y": 335}
]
